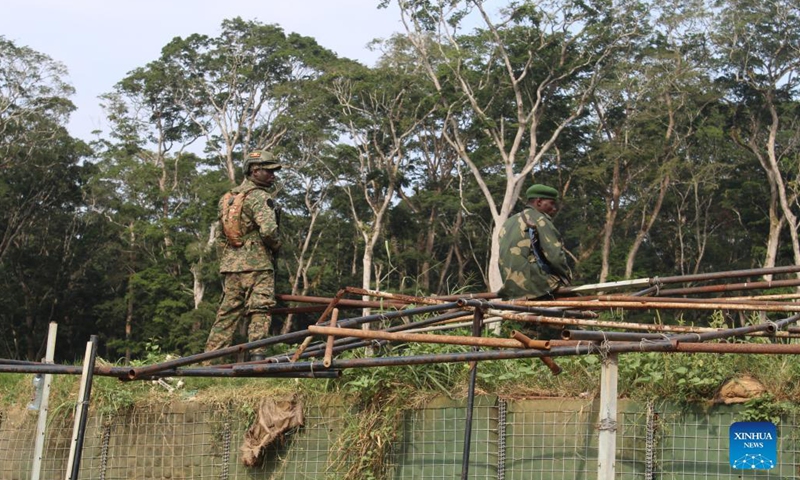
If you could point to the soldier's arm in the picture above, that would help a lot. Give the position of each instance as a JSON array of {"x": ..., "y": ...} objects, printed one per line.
[
  {"x": 263, "y": 210},
  {"x": 220, "y": 240},
  {"x": 553, "y": 251}
]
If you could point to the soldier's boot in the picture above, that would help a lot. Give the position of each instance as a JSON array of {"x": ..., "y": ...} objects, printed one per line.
[{"x": 257, "y": 330}]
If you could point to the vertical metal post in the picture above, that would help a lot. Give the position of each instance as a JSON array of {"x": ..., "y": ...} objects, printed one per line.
[
  {"x": 607, "y": 423},
  {"x": 41, "y": 423},
  {"x": 477, "y": 326},
  {"x": 650, "y": 443},
  {"x": 501, "y": 439},
  {"x": 82, "y": 410}
]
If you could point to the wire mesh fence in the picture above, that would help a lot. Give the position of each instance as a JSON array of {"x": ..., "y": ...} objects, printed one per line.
[{"x": 549, "y": 438}]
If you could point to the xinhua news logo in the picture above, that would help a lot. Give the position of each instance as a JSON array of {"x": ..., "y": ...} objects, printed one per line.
[{"x": 753, "y": 446}]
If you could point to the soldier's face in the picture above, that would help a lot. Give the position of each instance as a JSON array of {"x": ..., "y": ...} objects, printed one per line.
[
  {"x": 263, "y": 177},
  {"x": 545, "y": 205}
]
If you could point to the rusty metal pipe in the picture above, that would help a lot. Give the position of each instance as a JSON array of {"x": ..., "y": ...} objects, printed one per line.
[
  {"x": 230, "y": 373},
  {"x": 342, "y": 303},
  {"x": 513, "y": 305},
  {"x": 313, "y": 350},
  {"x": 306, "y": 341},
  {"x": 529, "y": 342},
  {"x": 647, "y": 305},
  {"x": 602, "y": 336},
  {"x": 741, "y": 348},
  {"x": 477, "y": 328},
  {"x": 683, "y": 278},
  {"x": 395, "y": 296},
  {"x": 467, "y": 296},
  {"x": 583, "y": 348},
  {"x": 56, "y": 369},
  {"x": 9, "y": 361},
  {"x": 769, "y": 327},
  {"x": 716, "y": 300},
  {"x": 551, "y": 364},
  {"x": 417, "y": 337},
  {"x": 541, "y": 344},
  {"x": 539, "y": 319},
  {"x": 286, "y": 338},
  {"x": 329, "y": 344},
  {"x": 731, "y": 287}
]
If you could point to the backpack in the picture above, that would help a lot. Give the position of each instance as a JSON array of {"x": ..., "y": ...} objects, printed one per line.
[{"x": 232, "y": 203}]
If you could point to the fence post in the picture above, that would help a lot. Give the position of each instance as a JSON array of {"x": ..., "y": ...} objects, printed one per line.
[
  {"x": 41, "y": 424},
  {"x": 82, "y": 410},
  {"x": 607, "y": 423}
]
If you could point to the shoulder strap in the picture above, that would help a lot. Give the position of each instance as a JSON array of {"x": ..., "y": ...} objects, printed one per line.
[{"x": 536, "y": 247}]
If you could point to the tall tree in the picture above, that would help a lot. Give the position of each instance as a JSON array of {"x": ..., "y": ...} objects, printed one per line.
[
  {"x": 42, "y": 261},
  {"x": 646, "y": 114},
  {"x": 34, "y": 108},
  {"x": 758, "y": 46},
  {"x": 513, "y": 87},
  {"x": 381, "y": 112},
  {"x": 236, "y": 86}
]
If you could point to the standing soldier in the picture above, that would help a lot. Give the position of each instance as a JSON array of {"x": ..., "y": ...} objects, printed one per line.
[
  {"x": 532, "y": 259},
  {"x": 248, "y": 246}
]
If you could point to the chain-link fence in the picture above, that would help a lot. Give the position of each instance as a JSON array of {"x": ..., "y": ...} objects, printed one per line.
[{"x": 548, "y": 438}]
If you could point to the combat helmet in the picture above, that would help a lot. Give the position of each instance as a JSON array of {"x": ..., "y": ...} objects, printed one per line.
[{"x": 260, "y": 157}]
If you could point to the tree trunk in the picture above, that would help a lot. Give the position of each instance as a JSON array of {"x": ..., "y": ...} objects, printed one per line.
[
  {"x": 612, "y": 209},
  {"x": 645, "y": 229}
]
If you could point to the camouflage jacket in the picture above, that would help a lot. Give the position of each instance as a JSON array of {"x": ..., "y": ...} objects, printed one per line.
[
  {"x": 260, "y": 233},
  {"x": 523, "y": 275}
]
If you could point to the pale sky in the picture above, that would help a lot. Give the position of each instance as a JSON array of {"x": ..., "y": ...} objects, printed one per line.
[{"x": 100, "y": 41}]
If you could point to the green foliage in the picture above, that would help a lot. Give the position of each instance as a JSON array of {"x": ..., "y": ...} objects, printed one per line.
[
  {"x": 368, "y": 383},
  {"x": 766, "y": 408},
  {"x": 641, "y": 370}
]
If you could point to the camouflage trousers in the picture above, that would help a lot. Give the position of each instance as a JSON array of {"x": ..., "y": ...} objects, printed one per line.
[{"x": 247, "y": 297}]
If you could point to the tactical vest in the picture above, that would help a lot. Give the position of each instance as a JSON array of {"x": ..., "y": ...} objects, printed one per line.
[{"x": 232, "y": 203}]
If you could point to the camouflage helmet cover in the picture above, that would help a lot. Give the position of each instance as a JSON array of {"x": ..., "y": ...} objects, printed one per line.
[{"x": 260, "y": 157}]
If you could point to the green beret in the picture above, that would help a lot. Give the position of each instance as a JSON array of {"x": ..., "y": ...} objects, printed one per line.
[{"x": 541, "y": 191}]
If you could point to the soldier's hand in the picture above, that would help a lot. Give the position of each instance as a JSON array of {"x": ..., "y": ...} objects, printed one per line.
[{"x": 273, "y": 245}]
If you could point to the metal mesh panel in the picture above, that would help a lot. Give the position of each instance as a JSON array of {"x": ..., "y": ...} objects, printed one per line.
[
  {"x": 694, "y": 445},
  {"x": 553, "y": 439},
  {"x": 432, "y": 444},
  {"x": 16, "y": 444},
  {"x": 635, "y": 443},
  {"x": 303, "y": 454},
  {"x": 550, "y": 439}
]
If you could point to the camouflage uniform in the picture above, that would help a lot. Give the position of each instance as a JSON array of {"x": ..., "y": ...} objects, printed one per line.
[
  {"x": 249, "y": 290},
  {"x": 522, "y": 274}
]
